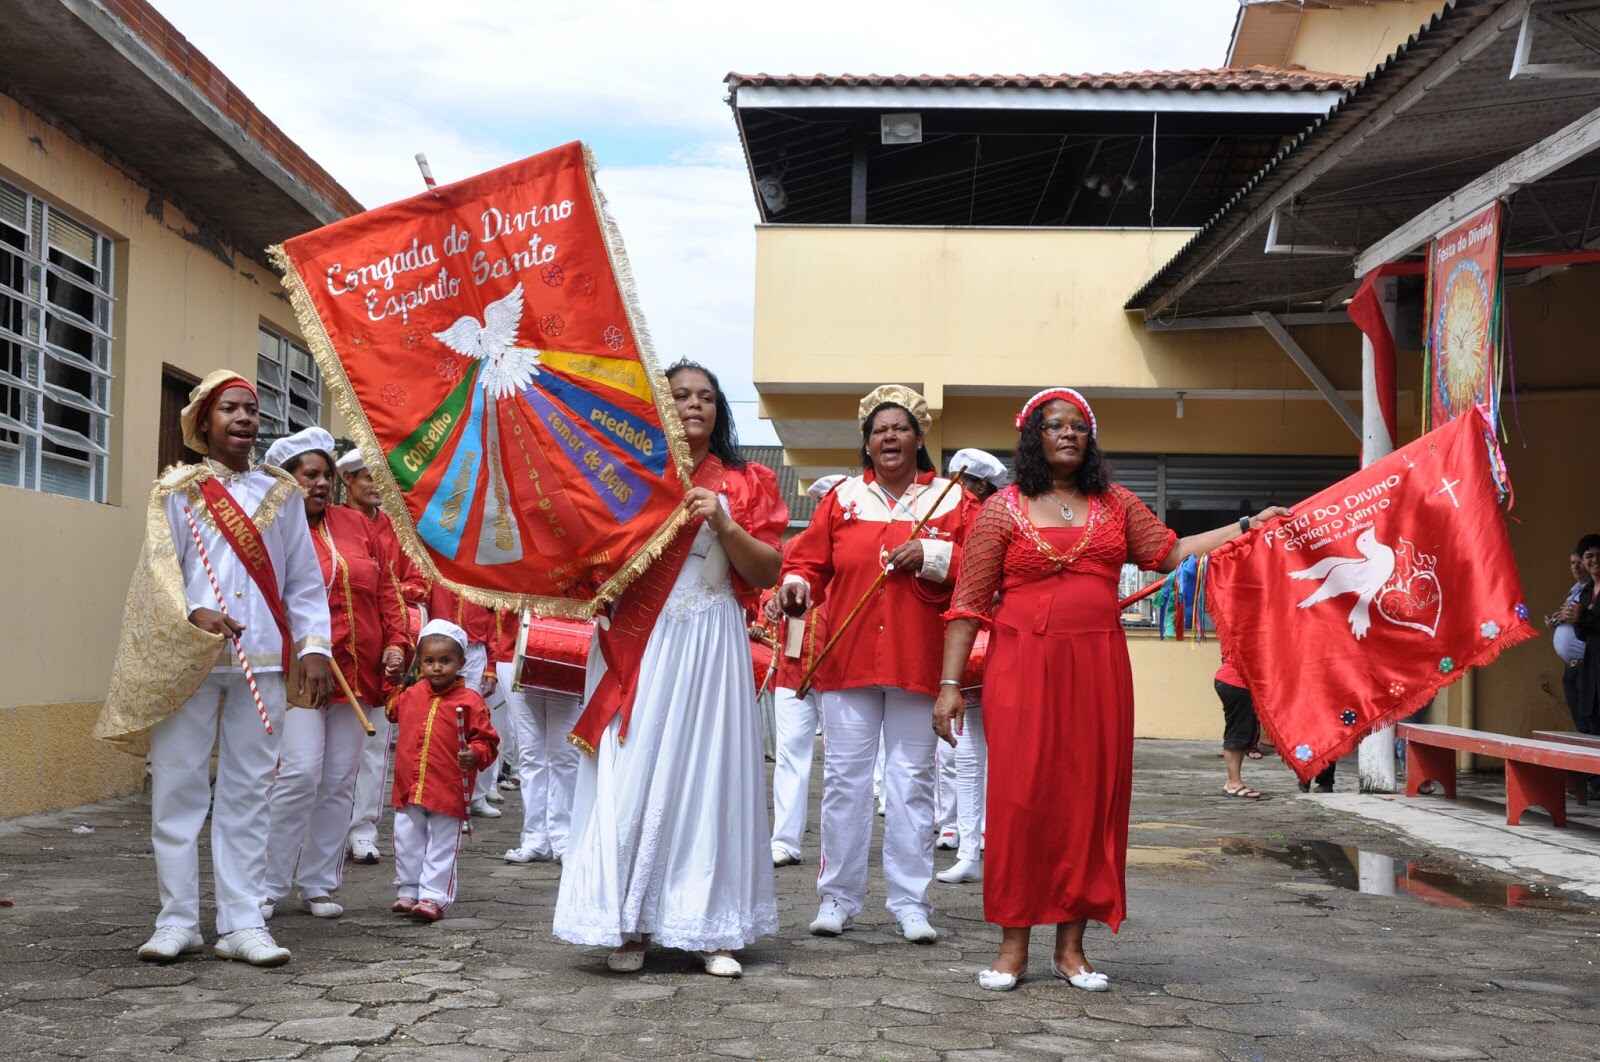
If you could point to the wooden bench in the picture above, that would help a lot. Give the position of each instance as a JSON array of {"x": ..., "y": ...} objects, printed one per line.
[
  {"x": 1536, "y": 770},
  {"x": 1577, "y": 783}
]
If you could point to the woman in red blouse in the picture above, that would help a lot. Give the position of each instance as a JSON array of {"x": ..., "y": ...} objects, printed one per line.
[
  {"x": 1041, "y": 567},
  {"x": 320, "y": 750},
  {"x": 881, "y": 676}
]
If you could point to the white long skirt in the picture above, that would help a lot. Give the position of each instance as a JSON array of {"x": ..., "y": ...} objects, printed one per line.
[{"x": 669, "y": 829}]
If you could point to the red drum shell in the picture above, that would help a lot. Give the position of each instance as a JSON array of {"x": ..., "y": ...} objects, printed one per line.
[
  {"x": 760, "y": 660},
  {"x": 555, "y": 655}
]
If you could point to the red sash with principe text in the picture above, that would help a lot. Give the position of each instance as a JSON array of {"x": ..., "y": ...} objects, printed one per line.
[
  {"x": 622, "y": 644},
  {"x": 242, "y": 534}
]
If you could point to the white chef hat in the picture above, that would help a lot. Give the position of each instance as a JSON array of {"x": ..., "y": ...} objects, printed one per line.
[
  {"x": 979, "y": 464},
  {"x": 351, "y": 462},
  {"x": 304, "y": 441},
  {"x": 819, "y": 488},
  {"x": 445, "y": 629}
]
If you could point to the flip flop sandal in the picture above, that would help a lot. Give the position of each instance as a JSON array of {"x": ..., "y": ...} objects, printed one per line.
[{"x": 1244, "y": 792}]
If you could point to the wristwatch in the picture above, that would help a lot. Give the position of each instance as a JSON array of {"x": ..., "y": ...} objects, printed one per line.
[{"x": 1244, "y": 524}]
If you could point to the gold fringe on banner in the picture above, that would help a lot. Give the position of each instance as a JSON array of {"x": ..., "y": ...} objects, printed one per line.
[{"x": 389, "y": 495}]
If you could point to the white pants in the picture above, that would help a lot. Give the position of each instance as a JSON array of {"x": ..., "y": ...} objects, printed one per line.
[
  {"x": 425, "y": 848},
  {"x": 372, "y": 776},
  {"x": 796, "y": 720},
  {"x": 944, "y": 796},
  {"x": 547, "y": 765},
  {"x": 311, "y": 800},
  {"x": 972, "y": 779},
  {"x": 853, "y": 721},
  {"x": 501, "y": 703},
  {"x": 180, "y": 793},
  {"x": 476, "y": 667}
]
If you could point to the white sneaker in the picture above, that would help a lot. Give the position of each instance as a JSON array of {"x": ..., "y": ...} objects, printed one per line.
[
  {"x": 916, "y": 928},
  {"x": 831, "y": 918},
  {"x": 949, "y": 839},
  {"x": 484, "y": 809},
  {"x": 254, "y": 946},
  {"x": 494, "y": 796},
  {"x": 524, "y": 854},
  {"x": 268, "y": 907},
  {"x": 960, "y": 871},
  {"x": 168, "y": 942},
  {"x": 321, "y": 906},
  {"x": 782, "y": 857},
  {"x": 364, "y": 852},
  {"x": 721, "y": 964}
]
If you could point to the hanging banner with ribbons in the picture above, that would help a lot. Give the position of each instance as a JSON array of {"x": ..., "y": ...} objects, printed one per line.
[
  {"x": 484, "y": 346},
  {"x": 1463, "y": 365}
]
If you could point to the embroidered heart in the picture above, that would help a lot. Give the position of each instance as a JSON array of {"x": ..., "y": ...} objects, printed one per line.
[{"x": 1416, "y": 602}]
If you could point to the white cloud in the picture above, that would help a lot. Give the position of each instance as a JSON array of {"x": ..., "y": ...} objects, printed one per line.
[{"x": 363, "y": 85}]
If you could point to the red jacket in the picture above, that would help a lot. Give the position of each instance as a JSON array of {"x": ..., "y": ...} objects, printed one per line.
[
  {"x": 425, "y": 769},
  {"x": 897, "y": 640},
  {"x": 366, "y": 619},
  {"x": 477, "y": 621}
]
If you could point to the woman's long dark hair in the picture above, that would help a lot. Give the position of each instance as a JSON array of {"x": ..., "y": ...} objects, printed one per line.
[
  {"x": 924, "y": 462},
  {"x": 724, "y": 435},
  {"x": 1033, "y": 471}
]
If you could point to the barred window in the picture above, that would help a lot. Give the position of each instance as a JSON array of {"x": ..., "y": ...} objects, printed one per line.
[
  {"x": 289, "y": 383},
  {"x": 55, "y": 349}
]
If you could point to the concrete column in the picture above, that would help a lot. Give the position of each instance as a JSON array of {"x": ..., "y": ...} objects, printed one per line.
[{"x": 1376, "y": 754}]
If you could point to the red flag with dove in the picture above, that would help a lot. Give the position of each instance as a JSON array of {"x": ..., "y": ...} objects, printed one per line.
[
  {"x": 482, "y": 342},
  {"x": 1354, "y": 611}
]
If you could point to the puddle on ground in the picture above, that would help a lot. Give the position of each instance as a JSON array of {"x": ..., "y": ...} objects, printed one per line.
[{"x": 1357, "y": 870}]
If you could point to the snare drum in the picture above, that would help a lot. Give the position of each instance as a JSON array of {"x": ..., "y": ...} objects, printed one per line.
[{"x": 552, "y": 654}]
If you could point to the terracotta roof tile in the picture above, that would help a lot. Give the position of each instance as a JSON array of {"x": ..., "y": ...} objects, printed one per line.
[{"x": 1246, "y": 79}]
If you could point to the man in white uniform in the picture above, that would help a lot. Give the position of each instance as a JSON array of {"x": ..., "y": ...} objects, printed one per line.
[
  {"x": 797, "y": 721},
  {"x": 545, "y": 761},
  {"x": 178, "y": 683}
]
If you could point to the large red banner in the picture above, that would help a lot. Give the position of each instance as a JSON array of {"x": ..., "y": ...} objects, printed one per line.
[
  {"x": 1374, "y": 594},
  {"x": 482, "y": 343},
  {"x": 1463, "y": 325}
]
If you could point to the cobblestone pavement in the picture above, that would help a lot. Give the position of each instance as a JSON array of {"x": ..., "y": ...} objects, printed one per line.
[{"x": 1246, "y": 941}]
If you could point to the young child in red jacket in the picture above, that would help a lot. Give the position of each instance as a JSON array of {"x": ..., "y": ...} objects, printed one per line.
[{"x": 433, "y": 771}]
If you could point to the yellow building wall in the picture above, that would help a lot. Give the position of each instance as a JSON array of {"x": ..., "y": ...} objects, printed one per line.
[
  {"x": 1354, "y": 39},
  {"x": 842, "y": 309},
  {"x": 64, "y": 587}
]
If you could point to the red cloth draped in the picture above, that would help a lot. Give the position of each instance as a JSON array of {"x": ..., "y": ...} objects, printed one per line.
[
  {"x": 1057, "y": 704},
  {"x": 753, "y": 502},
  {"x": 1377, "y": 592}
]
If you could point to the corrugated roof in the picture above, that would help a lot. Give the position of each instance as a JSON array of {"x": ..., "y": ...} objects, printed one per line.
[
  {"x": 1389, "y": 78},
  {"x": 1242, "y": 79}
]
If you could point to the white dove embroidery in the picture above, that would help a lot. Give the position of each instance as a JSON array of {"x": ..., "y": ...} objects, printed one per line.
[
  {"x": 507, "y": 368},
  {"x": 1363, "y": 576}
]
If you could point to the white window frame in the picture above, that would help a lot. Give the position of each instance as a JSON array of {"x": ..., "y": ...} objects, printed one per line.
[
  {"x": 289, "y": 381},
  {"x": 26, "y": 437}
]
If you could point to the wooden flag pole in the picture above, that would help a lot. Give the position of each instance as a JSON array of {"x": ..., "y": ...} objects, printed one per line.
[{"x": 344, "y": 686}]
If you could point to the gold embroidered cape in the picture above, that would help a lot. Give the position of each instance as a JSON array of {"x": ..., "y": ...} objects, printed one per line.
[{"x": 162, "y": 658}]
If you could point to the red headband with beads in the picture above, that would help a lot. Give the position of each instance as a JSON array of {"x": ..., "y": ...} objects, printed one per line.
[{"x": 1064, "y": 394}]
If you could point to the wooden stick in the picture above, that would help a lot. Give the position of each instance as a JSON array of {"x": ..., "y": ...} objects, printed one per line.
[
  {"x": 366, "y": 724},
  {"x": 1139, "y": 595},
  {"x": 850, "y": 617}
]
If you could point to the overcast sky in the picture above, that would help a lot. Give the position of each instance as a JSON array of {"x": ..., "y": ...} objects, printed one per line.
[{"x": 363, "y": 85}]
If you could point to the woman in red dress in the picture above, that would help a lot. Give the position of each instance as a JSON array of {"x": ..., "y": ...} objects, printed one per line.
[{"x": 1041, "y": 566}]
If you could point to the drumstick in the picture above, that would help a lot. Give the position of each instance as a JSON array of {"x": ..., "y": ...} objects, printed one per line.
[
  {"x": 366, "y": 724},
  {"x": 466, "y": 776},
  {"x": 850, "y": 617}
]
